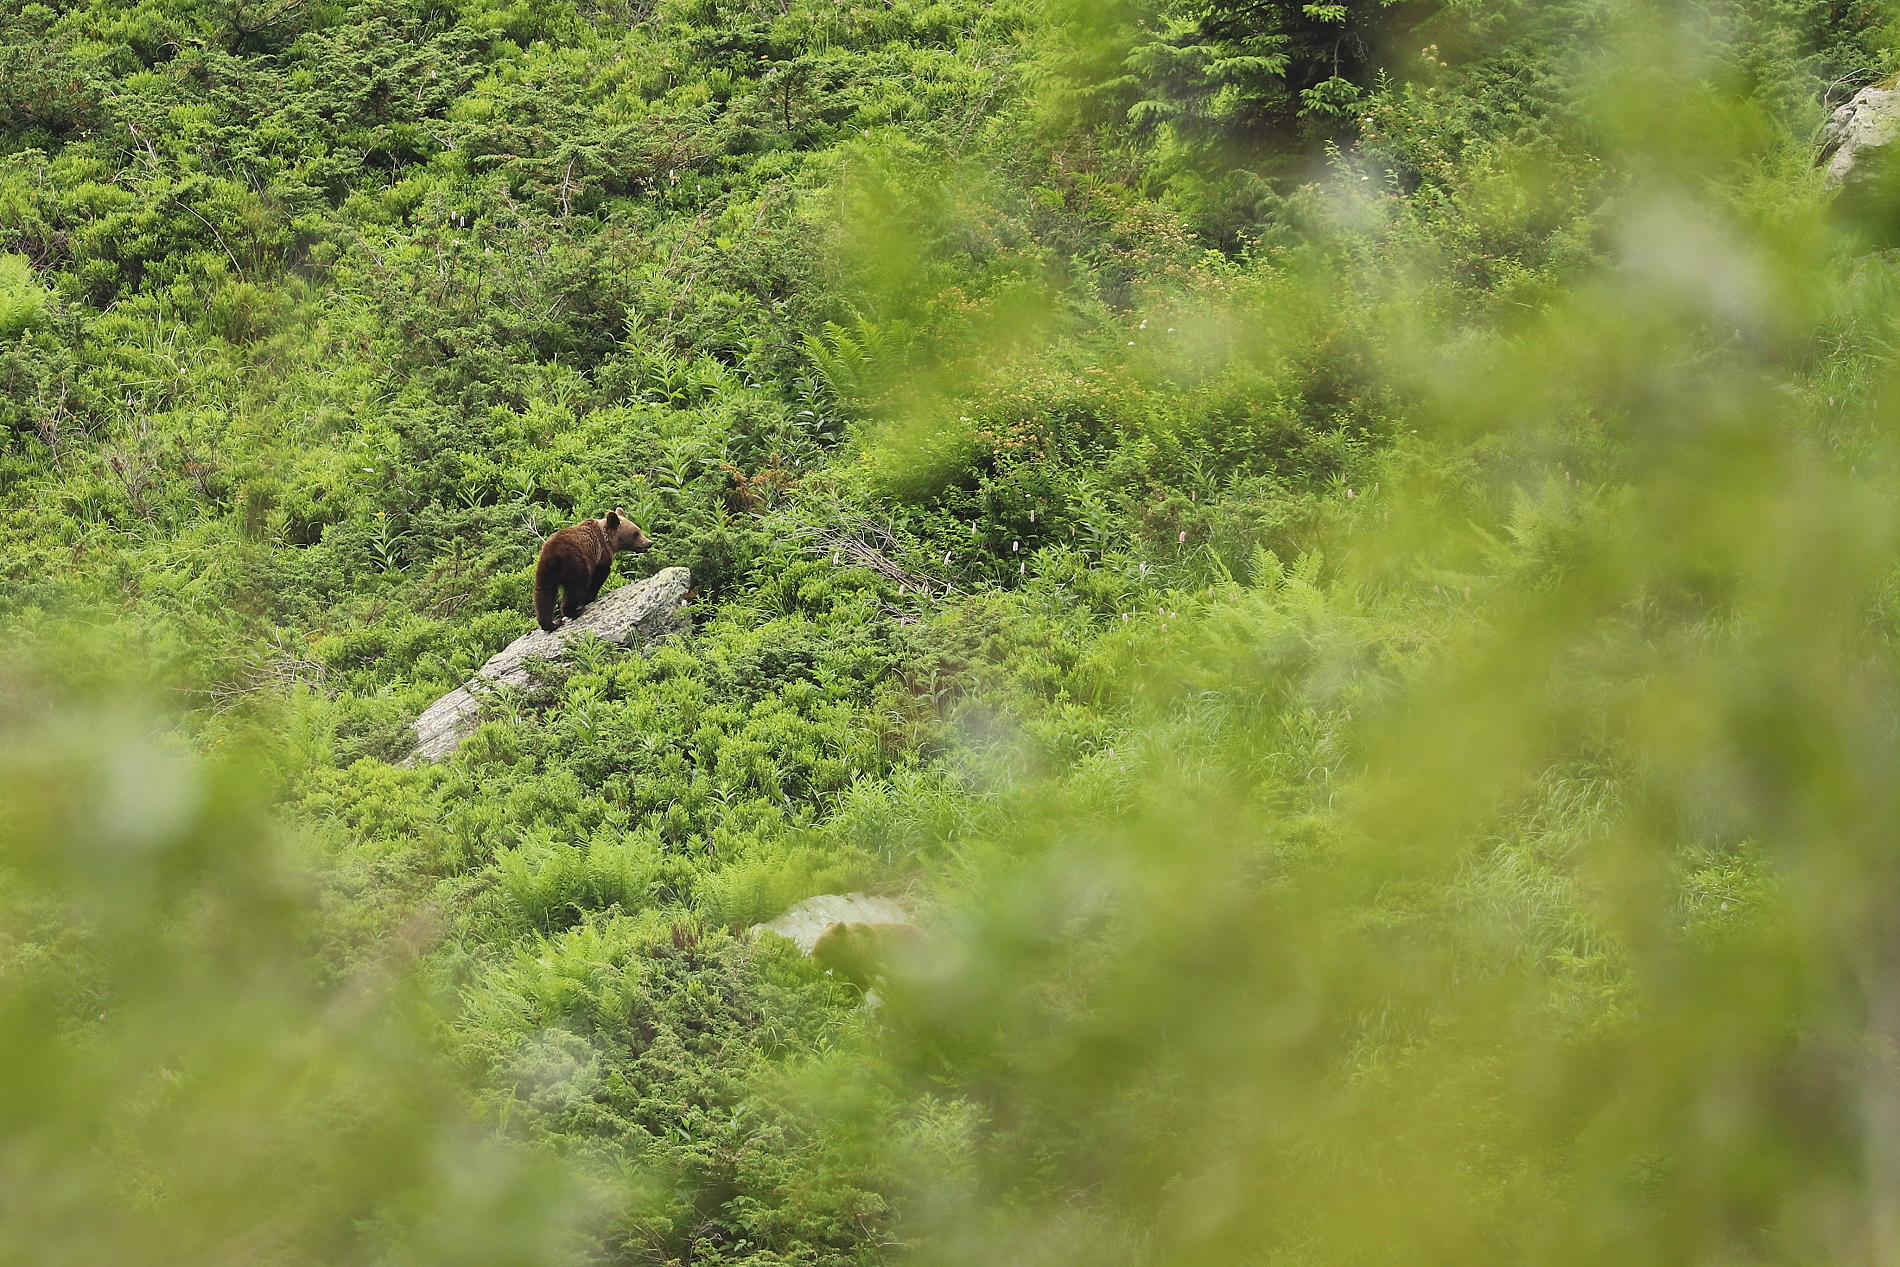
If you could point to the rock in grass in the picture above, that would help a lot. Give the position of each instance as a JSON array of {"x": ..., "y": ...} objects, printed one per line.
[
  {"x": 807, "y": 922},
  {"x": 1859, "y": 132},
  {"x": 640, "y": 611}
]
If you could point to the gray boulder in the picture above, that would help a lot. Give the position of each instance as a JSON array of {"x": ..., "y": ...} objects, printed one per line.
[
  {"x": 641, "y": 611},
  {"x": 1859, "y": 131},
  {"x": 807, "y": 922}
]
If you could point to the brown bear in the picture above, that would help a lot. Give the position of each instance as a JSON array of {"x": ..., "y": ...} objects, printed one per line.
[
  {"x": 864, "y": 953},
  {"x": 575, "y": 562}
]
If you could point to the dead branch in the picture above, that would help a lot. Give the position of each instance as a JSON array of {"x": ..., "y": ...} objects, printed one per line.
[
  {"x": 865, "y": 543},
  {"x": 274, "y": 671}
]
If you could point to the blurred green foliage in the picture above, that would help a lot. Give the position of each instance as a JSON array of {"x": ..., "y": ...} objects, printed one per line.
[{"x": 1339, "y": 555}]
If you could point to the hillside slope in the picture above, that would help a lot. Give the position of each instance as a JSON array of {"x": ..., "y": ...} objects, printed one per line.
[{"x": 1339, "y": 556}]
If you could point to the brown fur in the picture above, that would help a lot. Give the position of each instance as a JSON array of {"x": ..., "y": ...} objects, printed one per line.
[
  {"x": 575, "y": 561},
  {"x": 865, "y": 952}
]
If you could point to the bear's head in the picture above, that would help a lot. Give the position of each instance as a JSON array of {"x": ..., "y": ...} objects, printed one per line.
[{"x": 624, "y": 534}]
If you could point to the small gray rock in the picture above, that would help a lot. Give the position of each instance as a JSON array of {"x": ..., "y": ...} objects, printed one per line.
[
  {"x": 1865, "y": 124},
  {"x": 641, "y": 611}
]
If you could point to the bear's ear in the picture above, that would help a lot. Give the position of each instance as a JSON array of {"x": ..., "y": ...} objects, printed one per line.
[{"x": 613, "y": 519}]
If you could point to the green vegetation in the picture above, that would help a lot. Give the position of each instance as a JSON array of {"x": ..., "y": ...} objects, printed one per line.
[{"x": 1340, "y": 556}]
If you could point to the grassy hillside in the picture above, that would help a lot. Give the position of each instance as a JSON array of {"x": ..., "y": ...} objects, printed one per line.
[{"x": 1340, "y": 556}]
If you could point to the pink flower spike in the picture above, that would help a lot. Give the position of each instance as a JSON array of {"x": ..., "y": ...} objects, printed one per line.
[{"x": 1184, "y": 538}]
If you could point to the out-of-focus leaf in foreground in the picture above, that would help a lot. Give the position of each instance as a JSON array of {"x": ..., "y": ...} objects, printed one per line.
[
  {"x": 179, "y": 1082},
  {"x": 1584, "y": 951}
]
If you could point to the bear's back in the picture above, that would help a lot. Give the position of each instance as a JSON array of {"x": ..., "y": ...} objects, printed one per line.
[{"x": 584, "y": 544}]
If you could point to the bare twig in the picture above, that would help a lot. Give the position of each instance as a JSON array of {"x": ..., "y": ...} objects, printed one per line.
[
  {"x": 135, "y": 466},
  {"x": 276, "y": 670},
  {"x": 866, "y": 543},
  {"x": 150, "y": 151},
  {"x": 51, "y": 434}
]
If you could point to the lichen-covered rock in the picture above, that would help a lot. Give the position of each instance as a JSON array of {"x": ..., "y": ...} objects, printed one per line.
[
  {"x": 1860, "y": 129},
  {"x": 643, "y": 610}
]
